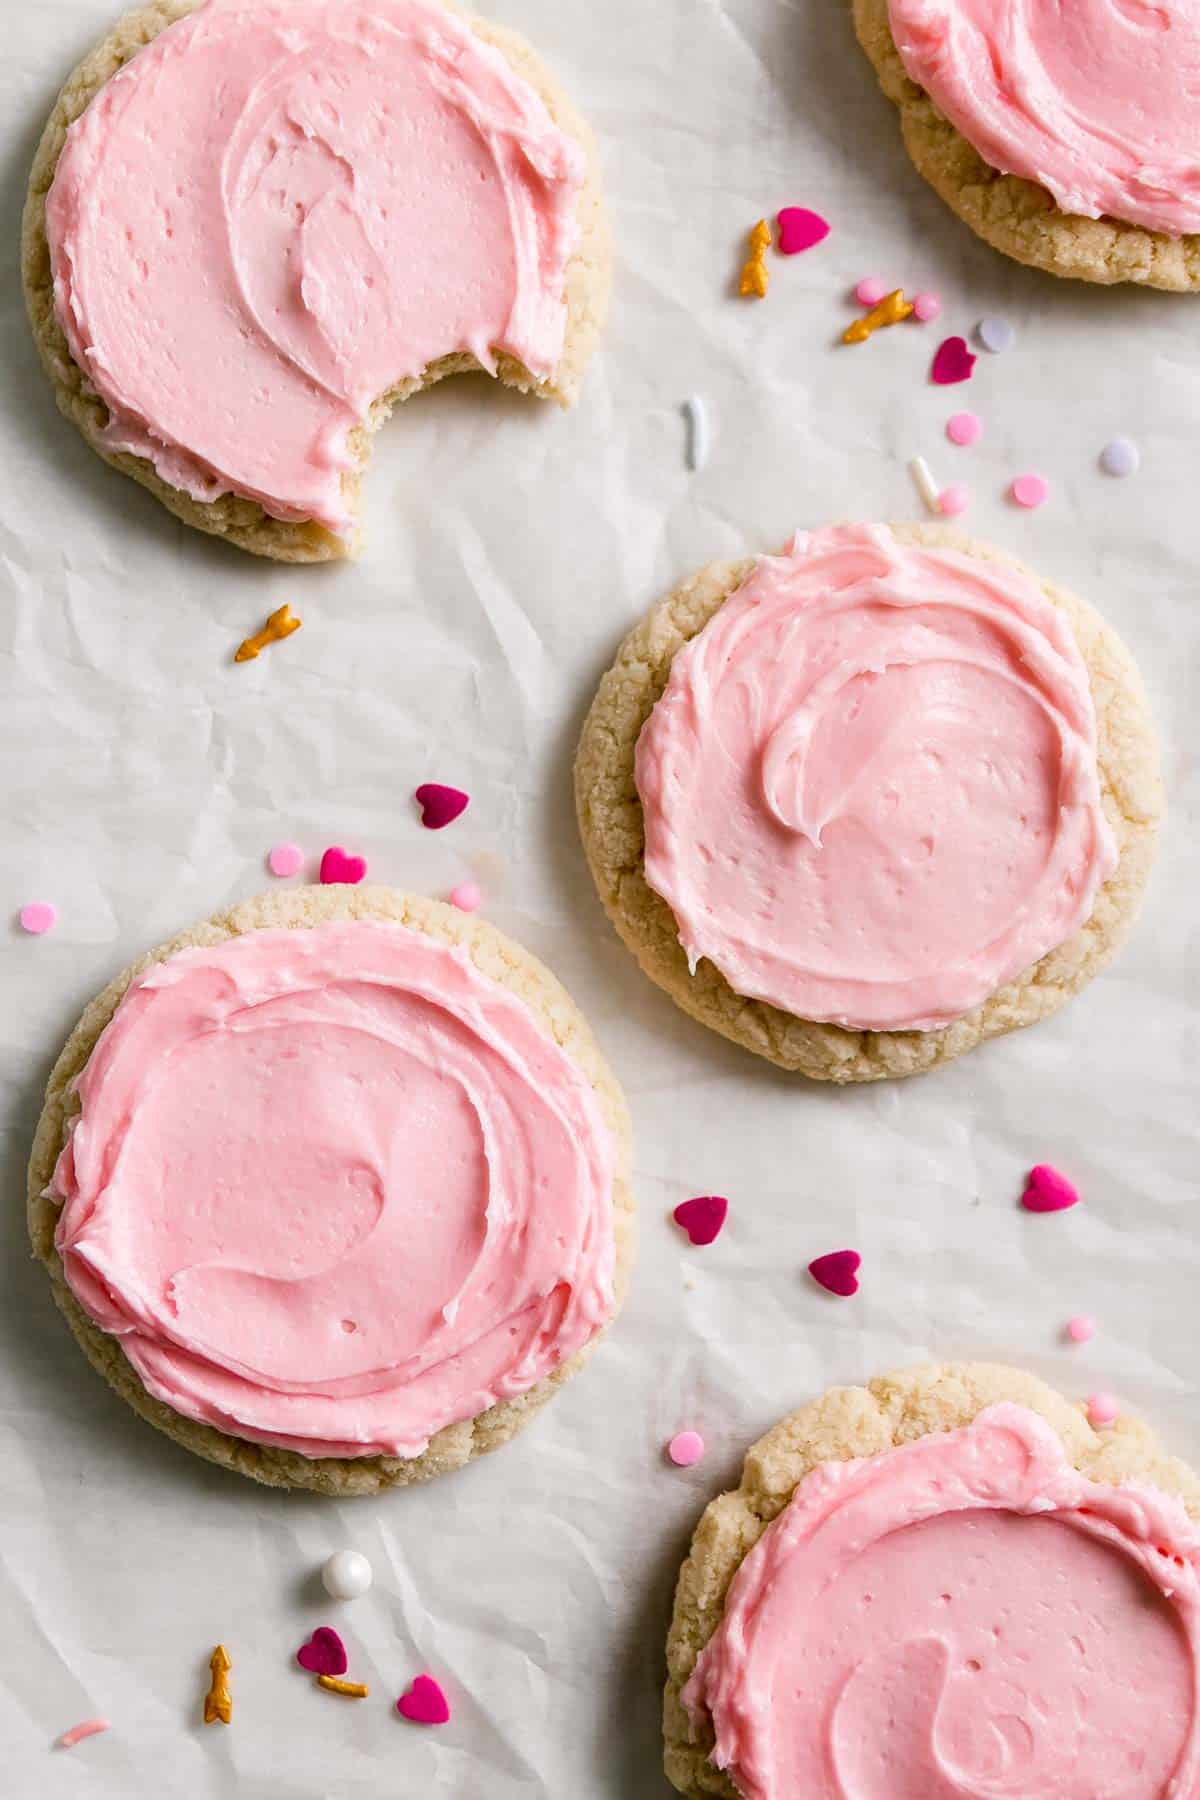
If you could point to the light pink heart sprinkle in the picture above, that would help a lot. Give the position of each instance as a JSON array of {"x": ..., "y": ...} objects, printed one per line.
[
  {"x": 337, "y": 865},
  {"x": 800, "y": 229},
  {"x": 703, "y": 1217},
  {"x": 285, "y": 859},
  {"x": 1046, "y": 1191},
  {"x": 324, "y": 1653},
  {"x": 685, "y": 1448},
  {"x": 38, "y": 917},
  {"x": 952, "y": 362},
  {"x": 424, "y": 1703},
  {"x": 837, "y": 1272},
  {"x": 440, "y": 806}
]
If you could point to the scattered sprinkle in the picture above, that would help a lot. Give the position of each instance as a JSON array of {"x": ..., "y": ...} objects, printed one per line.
[
  {"x": 1081, "y": 1329},
  {"x": 87, "y": 1729},
  {"x": 440, "y": 806},
  {"x": 281, "y": 624},
  {"x": 1030, "y": 490},
  {"x": 345, "y": 1575},
  {"x": 354, "y": 1690},
  {"x": 952, "y": 362},
  {"x": 218, "y": 1702},
  {"x": 696, "y": 415},
  {"x": 424, "y": 1703},
  {"x": 1047, "y": 1191},
  {"x": 754, "y": 277},
  {"x": 685, "y": 1448},
  {"x": 923, "y": 481},
  {"x": 964, "y": 429},
  {"x": 837, "y": 1272},
  {"x": 467, "y": 896},
  {"x": 870, "y": 290},
  {"x": 1121, "y": 457},
  {"x": 285, "y": 859},
  {"x": 703, "y": 1217},
  {"x": 337, "y": 865},
  {"x": 1102, "y": 1409},
  {"x": 800, "y": 229},
  {"x": 889, "y": 311},
  {"x": 38, "y": 917},
  {"x": 954, "y": 499},
  {"x": 926, "y": 307},
  {"x": 995, "y": 334},
  {"x": 324, "y": 1653}
]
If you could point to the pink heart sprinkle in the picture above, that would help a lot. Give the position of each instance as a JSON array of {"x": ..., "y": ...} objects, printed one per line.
[
  {"x": 324, "y": 1653},
  {"x": 337, "y": 865},
  {"x": 440, "y": 806},
  {"x": 800, "y": 229},
  {"x": 1047, "y": 1191},
  {"x": 424, "y": 1703},
  {"x": 952, "y": 362},
  {"x": 837, "y": 1271},
  {"x": 703, "y": 1217}
]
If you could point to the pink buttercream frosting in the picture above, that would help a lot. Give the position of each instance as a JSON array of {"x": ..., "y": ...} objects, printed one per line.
[
  {"x": 280, "y": 209},
  {"x": 1095, "y": 99},
  {"x": 870, "y": 786},
  {"x": 333, "y": 1189},
  {"x": 964, "y": 1618}
]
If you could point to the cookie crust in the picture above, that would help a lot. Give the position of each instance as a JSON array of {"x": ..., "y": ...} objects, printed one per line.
[{"x": 495, "y": 956}]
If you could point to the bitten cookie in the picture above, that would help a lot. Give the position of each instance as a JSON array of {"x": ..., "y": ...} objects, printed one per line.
[
  {"x": 255, "y": 226},
  {"x": 944, "y": 1583},
  {"x": 333, "y": 1188},
  {"x": 1065, "y": 137},
  {"x": 864, "y": 805}
]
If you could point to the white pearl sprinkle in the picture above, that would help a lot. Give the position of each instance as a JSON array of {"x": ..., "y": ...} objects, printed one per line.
[{"x": 346, "y": 1575}]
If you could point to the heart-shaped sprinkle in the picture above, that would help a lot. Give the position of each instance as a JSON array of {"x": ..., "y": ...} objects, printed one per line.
[
  {"x": 439, "y": 805},
  {"x": 800, "y": 229},
  {"x": 337, "y": 865},
  {"x": 703, "y": 1217},
  {"x": 952, "y": 362},
  {"x": 837, "y": 1272},
  {"x": 1047, "y": 1191},
  {"x": 424, "y": 1703},
  {"x": 324, "y": 1653}
]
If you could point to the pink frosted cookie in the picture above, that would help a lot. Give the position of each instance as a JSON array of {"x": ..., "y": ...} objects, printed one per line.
[
  {"x": 867, "y": 1614},
  {"x": 863, "y": 804},
  {"x": 376, "y": 1216},
  {"x": 280, "y": 218}
]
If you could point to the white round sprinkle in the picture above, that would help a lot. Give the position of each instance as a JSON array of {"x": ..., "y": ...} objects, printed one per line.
[
  {"x": 346, "y": 1575},
  {"x": 995, "y": 334},
  {"x": 1121, "y": 457}
]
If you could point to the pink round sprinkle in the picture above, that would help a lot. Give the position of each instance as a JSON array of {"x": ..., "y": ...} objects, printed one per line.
[
  {"x": 1081, "y": 1329},
  {"x": 926, "y": 307},
  {"x": 870, "y": 290},
  {"x": 285, "y": 859},
  {"x": 467, "y": 896},
  {"x": 1102, "y": 1409},
  {"x": 1030, "y": 490},
  {"x": 954, "y": 499},
  {"x": 964, "y": 429},
  {"x": 685, "y": 1448},
  {"x": 37, "y": 917}
]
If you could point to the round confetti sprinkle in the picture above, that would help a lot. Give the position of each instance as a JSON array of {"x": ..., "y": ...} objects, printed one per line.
[
  {"x": 285, "y": 859},
  {"x": 995, "y": 334},
  {"x": 38, "y": 917},
  {"x": 964, "y": 429},
  {"x": 926, "y": 307},
  {"x": 1030, "y": 490},
  {"x": 870, "y": 290},
  {"x": 954, "y": 499},
  {"x": 346, "y": 1575},
  {"x": 1121, "y": 457},
  {"x": 1081, "y": 1329},
  {"x": 1102, "y": 1409},
  {"x": 467, "y": 896},
  {"x": 685, "y": 1448}
]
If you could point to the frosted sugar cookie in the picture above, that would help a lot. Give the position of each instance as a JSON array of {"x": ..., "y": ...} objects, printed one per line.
[
  {"x": 254, "y": 226},
  {"x": 943, "y": 1584},
  {"x": 333, "y": 1188},
  {"x": 1064, "y": 135},
  {"x": 861, "y": 806}
]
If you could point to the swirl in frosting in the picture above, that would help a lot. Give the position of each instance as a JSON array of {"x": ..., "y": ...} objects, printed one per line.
[
  {"x": 870, "y": 786},
  {"x": 964, "y": 1618},
  {"x": 278, "y": 211},
  {"x": 1095, "y": 99},
  {"x": 333, "y": 1189}
]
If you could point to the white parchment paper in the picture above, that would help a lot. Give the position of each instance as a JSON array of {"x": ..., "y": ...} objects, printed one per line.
[{"x": 143, "y": 778}]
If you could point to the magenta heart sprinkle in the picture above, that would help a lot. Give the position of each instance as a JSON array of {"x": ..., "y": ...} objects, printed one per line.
[
  {"x": 703, "y": 1217},
  {"x": 800, "y": 229},
  {"x": 424, "y": 1703},
  {"x": 324, "y": 1653},
  {"x": 837, "y": 1272},
  {"x": 440, "y": 806},
  {"x": 952, "y": 362},
  {"x": 1047, "y": 1191},
  {"x": 337, "y": 865}
]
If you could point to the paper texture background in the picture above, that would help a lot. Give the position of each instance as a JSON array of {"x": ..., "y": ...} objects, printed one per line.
[{"x": 143, "y": 778}]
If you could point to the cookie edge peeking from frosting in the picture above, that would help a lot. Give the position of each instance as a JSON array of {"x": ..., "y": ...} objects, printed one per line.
[
  {"x": 495, "y": 957},
  {"x": 242, "y": 521}
]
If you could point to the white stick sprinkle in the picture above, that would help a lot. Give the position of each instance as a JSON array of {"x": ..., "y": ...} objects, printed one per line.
[
  {"x": 697, "y": 431},
  {"x": 926, "y": 486}
]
